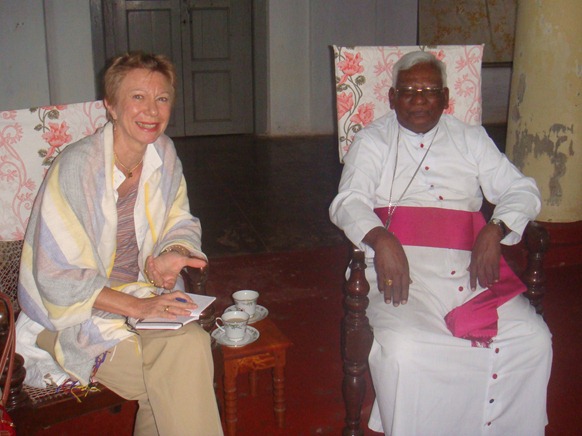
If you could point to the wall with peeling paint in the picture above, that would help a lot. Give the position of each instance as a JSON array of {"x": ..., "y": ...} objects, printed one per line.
[{"x": 545, "y": 111}]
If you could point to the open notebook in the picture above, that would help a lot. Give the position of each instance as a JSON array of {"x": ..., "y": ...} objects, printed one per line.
[{"x": 203, "y": 301}]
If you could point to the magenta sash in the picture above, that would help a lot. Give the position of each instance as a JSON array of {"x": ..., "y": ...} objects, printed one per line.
[{"x": 475, "y": 320}]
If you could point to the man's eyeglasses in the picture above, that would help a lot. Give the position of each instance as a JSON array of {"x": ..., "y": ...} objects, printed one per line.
[{"x": 428, "y": 92}]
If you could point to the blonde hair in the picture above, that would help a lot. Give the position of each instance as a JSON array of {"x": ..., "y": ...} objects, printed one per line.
[{"x": 123, "y": 64}]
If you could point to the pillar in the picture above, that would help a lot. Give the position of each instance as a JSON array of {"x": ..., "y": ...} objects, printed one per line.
[{"x": 544, "y": 131}]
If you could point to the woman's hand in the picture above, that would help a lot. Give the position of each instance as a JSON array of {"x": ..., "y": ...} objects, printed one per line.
[
  {"x": 169, "y": 305},
  {"x": 162, "y": 271}
]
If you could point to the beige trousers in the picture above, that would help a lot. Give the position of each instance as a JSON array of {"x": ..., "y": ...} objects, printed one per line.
[{"x": 170, "y": 374}]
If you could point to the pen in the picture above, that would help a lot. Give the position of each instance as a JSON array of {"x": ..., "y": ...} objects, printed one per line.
[{"x": 163, "y": 291}]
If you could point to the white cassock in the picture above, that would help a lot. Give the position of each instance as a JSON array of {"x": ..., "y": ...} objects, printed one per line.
[{"x": 427, "y": 381}]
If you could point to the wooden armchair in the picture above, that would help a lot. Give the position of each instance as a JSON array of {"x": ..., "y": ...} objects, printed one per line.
[
  {"x": 526, "y": 259},
  {"x": 34, "y": 409},
  {"x": 29, "y": 141},
  {"x": 363, "y": 78}
]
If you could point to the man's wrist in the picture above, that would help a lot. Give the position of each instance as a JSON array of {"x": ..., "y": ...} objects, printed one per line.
[
  {"x": 376, "y": 236},
  {"x": 499, "y": 223}
]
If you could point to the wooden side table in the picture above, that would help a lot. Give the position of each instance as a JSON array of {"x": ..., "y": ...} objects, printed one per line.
[{"x": 269, "y": 351}]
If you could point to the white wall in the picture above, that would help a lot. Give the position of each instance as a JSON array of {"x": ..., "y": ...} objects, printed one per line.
[
  {"x": 71, "y": 72},
  {"x": 296, "y": 66},
  {"x": 29, "y": 29},
  {"x": 288, "y": 63},
  {"x": 300, "y": 61},
  {"x": 23, "y": 60},
  {"x": 349, "y": 23}
]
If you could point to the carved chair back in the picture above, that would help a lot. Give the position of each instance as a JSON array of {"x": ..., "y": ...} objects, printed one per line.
[{"x": 363, "y": 78}]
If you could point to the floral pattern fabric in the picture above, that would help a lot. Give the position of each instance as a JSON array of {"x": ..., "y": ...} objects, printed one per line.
[
  {"x": 30, "y": 139},
  {"x": 364, "y": 77}
]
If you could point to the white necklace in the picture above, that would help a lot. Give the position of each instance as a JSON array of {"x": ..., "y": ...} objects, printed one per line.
[{"x": 392, "y": 206}]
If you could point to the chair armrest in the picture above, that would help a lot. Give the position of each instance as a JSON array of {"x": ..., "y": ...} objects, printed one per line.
[
  {"x": 356, "y": 341},
  {"x": 537, "y": 241},
  {"x": 195, "y": 283},
  {"x": 526, "y": 260}
]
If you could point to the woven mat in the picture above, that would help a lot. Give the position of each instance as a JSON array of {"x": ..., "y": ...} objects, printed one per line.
[{"x": 9, "y": 266}]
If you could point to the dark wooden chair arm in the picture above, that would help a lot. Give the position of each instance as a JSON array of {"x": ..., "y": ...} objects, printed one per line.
[
  {"x": 195, "y": 283},
  {"x": 534, "y": 245},
  {"x": 526, "y": 259},
  {"x": 356, "y": 341}
]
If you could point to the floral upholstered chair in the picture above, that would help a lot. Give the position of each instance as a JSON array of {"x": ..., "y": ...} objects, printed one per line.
[
  {"x": 363, "y": 78},
  {"x": 30, "y": 140}
]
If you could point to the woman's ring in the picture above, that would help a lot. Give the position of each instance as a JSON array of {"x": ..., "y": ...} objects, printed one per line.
[
  {"x": 167, "y": 309},
  {"x": 388, "y": 282},
  {"x": 152, "y": 282}
]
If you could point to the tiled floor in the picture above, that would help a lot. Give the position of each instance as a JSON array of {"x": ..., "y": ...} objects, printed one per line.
[
  {"x": 257, "y": 194},
  {"x": 254, "y": 194}
]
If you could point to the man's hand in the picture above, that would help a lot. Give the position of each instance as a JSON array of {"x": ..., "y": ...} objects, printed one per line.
[
  {"x": 485, "y": 257},
  {"x": 391, "y": 265}
]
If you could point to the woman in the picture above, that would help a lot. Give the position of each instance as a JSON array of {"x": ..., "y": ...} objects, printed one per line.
[{"x": 111, "y": 225}]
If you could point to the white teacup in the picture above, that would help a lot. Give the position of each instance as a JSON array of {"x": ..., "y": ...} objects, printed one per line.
[
  {"x": 234, "y": 324},
  {"x": 246, "y": 301}
]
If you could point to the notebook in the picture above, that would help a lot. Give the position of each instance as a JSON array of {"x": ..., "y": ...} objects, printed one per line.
[{"x": 203, "y": 301}]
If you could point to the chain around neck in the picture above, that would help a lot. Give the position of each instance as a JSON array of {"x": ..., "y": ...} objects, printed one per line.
[
  {"x": 392, "y": 206},
  {"x": 129, "y": 171}
]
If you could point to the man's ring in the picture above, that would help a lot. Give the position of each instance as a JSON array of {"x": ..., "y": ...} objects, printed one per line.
[
  {"x": 167, "y": 309},
  {"x": 388, "y": 282}
]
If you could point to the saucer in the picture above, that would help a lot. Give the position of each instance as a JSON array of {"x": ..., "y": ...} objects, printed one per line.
[
  {"x": 251, "y": 335},
  {"x": 260, "y": 313}
]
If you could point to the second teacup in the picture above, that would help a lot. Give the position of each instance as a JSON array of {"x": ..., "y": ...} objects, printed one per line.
[
  {"x": 246, "y": 300},
  {"x": 234, "y": 324}
]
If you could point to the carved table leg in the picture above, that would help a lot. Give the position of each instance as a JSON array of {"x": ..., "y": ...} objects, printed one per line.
[
  {"x": 279, "y": 388},
  {"x": 253, "y": 383},
  {"x": 230, "y": 396}
]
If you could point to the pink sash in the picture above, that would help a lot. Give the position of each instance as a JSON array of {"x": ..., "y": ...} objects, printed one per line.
[{"x": 475, "y": 320}]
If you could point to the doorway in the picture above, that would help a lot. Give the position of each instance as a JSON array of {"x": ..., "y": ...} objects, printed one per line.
[{"x": 209, "y": 41}]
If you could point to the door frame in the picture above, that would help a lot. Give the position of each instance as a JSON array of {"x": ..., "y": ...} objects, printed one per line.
[{"x": 259, "y": 56}]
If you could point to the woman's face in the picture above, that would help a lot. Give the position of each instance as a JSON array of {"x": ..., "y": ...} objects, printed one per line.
[{"x": 143, "y": 107}]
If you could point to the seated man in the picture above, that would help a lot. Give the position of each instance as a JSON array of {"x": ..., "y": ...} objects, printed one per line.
[{"x": 457, "y": 350}]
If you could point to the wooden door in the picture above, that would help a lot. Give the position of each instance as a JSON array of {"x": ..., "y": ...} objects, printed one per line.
[
  {"x": 209, "y": 41},
  {"x": 217, "y": 66}
]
